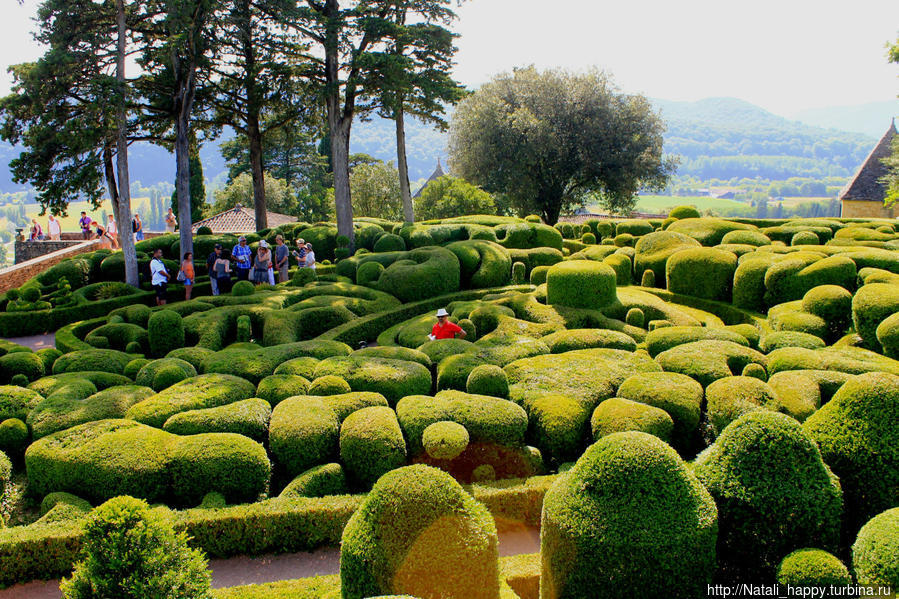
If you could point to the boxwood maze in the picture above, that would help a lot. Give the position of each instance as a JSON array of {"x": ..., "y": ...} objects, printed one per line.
[{"x": 732, "y": 417}]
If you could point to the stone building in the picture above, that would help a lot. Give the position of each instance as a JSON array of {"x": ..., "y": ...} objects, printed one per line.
[{"x": 863, "y": 195}]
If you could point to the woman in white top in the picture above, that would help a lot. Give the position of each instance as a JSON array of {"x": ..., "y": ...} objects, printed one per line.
[
  {"x": 53, "y": 228},
  {"x": 113, "y": 231},
  {"x": 310, "y": 257}
]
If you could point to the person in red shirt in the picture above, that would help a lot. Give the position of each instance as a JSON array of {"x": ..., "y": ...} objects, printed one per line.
[{"x": 444, "y": 329}]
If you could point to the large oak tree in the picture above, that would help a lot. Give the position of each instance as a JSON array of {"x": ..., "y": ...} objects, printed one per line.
[{"x": 544, "y": 140}]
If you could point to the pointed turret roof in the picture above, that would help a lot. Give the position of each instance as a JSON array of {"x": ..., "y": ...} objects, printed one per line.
[
  {"x": 438, "y": 172},
  {"x": 866, "y": 184}
]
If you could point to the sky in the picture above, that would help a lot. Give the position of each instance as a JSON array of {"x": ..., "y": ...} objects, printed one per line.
[{"x": 783, "y": 55}]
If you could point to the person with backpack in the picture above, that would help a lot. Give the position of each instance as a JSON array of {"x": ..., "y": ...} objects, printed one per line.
[
  {"x": 221, "y": 271},
  {"x": 159, "y": 277},
  {"x": 210, "y": 267}
]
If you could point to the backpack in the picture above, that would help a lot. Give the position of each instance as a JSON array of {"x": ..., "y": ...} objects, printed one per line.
[{"x": 133, "y": 226}]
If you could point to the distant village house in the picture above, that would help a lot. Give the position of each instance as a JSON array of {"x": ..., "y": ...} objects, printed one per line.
[{"x": 863, "y": 196}]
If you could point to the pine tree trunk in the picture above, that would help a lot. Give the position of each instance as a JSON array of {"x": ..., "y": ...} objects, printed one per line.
[
  {"x": 122, "y": 207},
  {"x": 255, "y": 139},
  {"x": 182, "y": 184},
  {"x": 402, "y": 164}
]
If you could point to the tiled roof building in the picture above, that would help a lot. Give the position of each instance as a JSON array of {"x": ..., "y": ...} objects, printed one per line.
[
  {"x": 863, "y": 196},
  {"x": 240, "y": 220}
]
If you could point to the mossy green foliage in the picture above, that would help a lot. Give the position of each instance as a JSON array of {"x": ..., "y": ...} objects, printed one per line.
[
  {"x": 303, "y": 433},
  {"x": 50, "y": 385},
  {"x": 203, "y": 391},
  {"x": 371, "y": 444},
  {"x": 580, "y": 284},
  {"x": 761, "y": 467},
  {"x": 390, "y": 243},
  {"x": 654, "y": 250},
  {"x": 588, "y": 375},
  {"x": 422, "y": 273},
  {"x": 791, "y": 278},
  {"x": 304, "y": 367},
  {"x": 26, "y": 364},
  {"x": 812, "y": 568},
  {"x": 488, "y": 420},
  {"x": 99, "y": 460},
  {"x": 118, "y": 336},
  {"x": 706, "y": 273},
  {"x": 57, "y": 413},
  {"x": 14, "y": 436},
  {"x": 664, "y": 546},
  {"x": 445, "y": 440},
  {"x": 874, "y": 551},
  {"x": 483, "y": 264},
  {"x": 244, "y": 328},
  {"x": 488, "y": 379},
  {"x": 419, "y": 533},
  {"x": 573, "y": 339},
  {"x": 394, "y": 379},
  {"x": 256, "y": 364},
  {"x": 684, "y": 212},
  {"x": 395, "y": 353},
  {"x": 91, "y": 360},
  {"x": 538, "y": 275},
  {"x": 617, "y": 415},
  {"x": 165, "y": 372},
  {"x": 195, "y": 355},
  {"x": 850, "y": 360},
  {"x": 677, "y": 394},
  {"x": 622, "y": 265},
  {"x": 249, "y": 417},
  {"x": 132, "y": 552},
  {"x": 166, "y": 332},
  {"x": 871, "y": 305},
  {"x": 318, "y": 481},
  {"x": 730, "y": 397},
  {"x": 805, "y": 238},
  {"x": 858, "y": 433},
  {"x": 635, "y": 318},
  {"x": 518, "y": 270},
  {"x": 329, "y": 385},
  {"x": 16, "y": 402},
  {"x": 709, "y": 360},
  {"x": 278, "y": 387},
  {"x": 558, "y": 427},
  {"x": 243, "y": 289},
  {"x": 782, "y": 339},
  {"x": 666, "y": 338},
  {"x": 439, "y": 349},
  {"x": 754, "y": 238},
  {"x": 5, "y": 473},
  {"x": 707, "y": 231}
]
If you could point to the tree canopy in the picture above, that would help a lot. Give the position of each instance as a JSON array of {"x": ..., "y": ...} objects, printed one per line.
[
  {"x": 375, "y": 189},
  {"x": 545, "y": 139},
  {"x": 240, "y": 191},
  {"x": 449, "y": 196}
]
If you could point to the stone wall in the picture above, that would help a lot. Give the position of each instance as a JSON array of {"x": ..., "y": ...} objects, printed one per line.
[
  {"x": 866, "y": 209},
  {"x": 15, "y": 276},
  {"x": 29, "y": 250}
]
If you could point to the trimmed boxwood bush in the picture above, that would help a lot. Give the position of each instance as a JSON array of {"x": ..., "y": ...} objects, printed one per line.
[
  {"x": 203, "y": 391},
  {"x": 163, "y": 373},
  {"x": 782, "y": 339},
  {"x": 755, "y": 238},
  {"x": 329, "y": 385},
  {"x": 805, "y": 238},
  {"x": 26, "y": 364},
  {"x": 243, "y": 289},
  {"x": 483, "y": 263},
  {"x": 858, "y": 433},
  {"x": 13, "y": 436},
  {"x": 5, "y": 474},
  {"x": 445, "y": 440},
  {"x": 653, "y": 251},
  {"x": 664, "y": 546},
  {"x": 100, "y": 380},
  {"x": 371, "y": 444},
  {"x": 390, "y": 243},
  {"x": 888, "y": 335},
  {"x": 304, "y": 367},
  {"x": 617, "y": 415},
  {"x": 249, "y": 418},
  {"x": 579, "y": 284},
  {"x": 166, "y": 330},
  {"x": 762, "y": 467},
  {"x": 303, "y": 433},
  {"x": 677, "y": 394},
  {"x": 488, "y": 379},
  {"x": 709, "y": 360},
  {"x": 94, "y": 360},
  {"x": 573, "y": 339},
  {"x": 792, "y": 277},
  {"x": 419, "y": 533},
  {"x": 538, "y": 275},
  {"x": 318, "y": 481},
  {"x": 730, "y": 397},
  {"x": 707, "y": 231},
  {"x": 394, "y": 379},
  {"x": 16, "y": 402},
  {"x": 701, "y": 272},
  {"x": 684, "y": 212},
  {"x": 278, "y": 387},
  {"x": 422, "y": 273},
  {"x": 58, "y": 412},
  {"x": 874, "y": 551},
  {"x": 395, "y": 353},
  {"x": 812, "y": 568},
  {"x": 557, "y": 426}
]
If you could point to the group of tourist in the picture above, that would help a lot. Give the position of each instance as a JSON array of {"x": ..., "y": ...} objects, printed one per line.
[
  {"x": 260, "y": 269},
  {"x": 108, "y": 233}
]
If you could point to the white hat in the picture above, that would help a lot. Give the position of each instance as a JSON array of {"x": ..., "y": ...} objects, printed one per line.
[
  {"x": 263, "y": 244},
  {"x": 442, "y": 312}
]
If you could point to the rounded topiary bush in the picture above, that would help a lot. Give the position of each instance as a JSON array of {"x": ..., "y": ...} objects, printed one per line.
[
  {"x": 812, "y": 568},
  {"x": 163, "y": 373},
  {"x": 635, "y": 317},
  {"x": 762, "y": 467},
  {"x": 419, "y": 533},
  {"x": 13, "y": 436},
  {"x": 588, "y": 238},
  {"x": 166, "y": 332},
  {"x": 227, "y": 463},
  {"x": 557, "y": 426},
  {"x": 204, "y": 230},
  {"x": 664, "y": 546},
  {"x": 858, "y": 433},
  {"x": 706, "y": 273},
  {"x": 444, "y": 440},
  {"x": 781, "y": 339},
  {"x": 244, "y": 328},
  {"x": 390, "y": 243},
  {"x": 369, "y": 273},
  {"x": 518, "y": 273},
  {"x": 371, "y": 444},
  {"x": 318, "y": 481},
  {"x": 618, "y": 415},
  {"x": 677, "y": 394},
  {"x": 243, "y": 288},
  {"x": 538, "y": 275},
  {"x": 329, "y": 385},
  {"x": 888, "y": 335},
  {"x": 684, "y": 212},
  {"x": 730, "y": 397},
  {"x": 5, "y": 474},
  {"x": 26, "y": 364},
  {"x": 16, "y": 402},
  {"x": 581, "y": 284},
  {"x": 805, "y": 238},
  {"x": 278, "y": 387},
  {"x": 875, "y": 551},
  {"x": 303, "y": 433},
  {"x": 471, "y": 331},
  {"x": 756, "y": 371},
  {"x": 249, "y": 417},
  {"x": 488, "y": 379},
  {"x": 648, "y": 279},
  {"x": 304, "y": 367}
]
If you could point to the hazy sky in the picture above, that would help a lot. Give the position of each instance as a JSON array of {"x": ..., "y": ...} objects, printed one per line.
[{"x": 784, "y": 55}]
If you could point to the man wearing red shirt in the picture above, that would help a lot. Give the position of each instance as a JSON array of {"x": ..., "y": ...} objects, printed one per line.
[{"x": 444, "y": 329}]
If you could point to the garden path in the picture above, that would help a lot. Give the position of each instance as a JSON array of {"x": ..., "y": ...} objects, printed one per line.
[
  {"x": 241, "y": 570},
  {"x": 36, "y": 342}
]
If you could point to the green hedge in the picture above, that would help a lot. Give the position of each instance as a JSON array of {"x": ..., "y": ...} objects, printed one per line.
[
  {"x": 166, "y": 332},
  {"x": 26, "y": 364},
  {"x": 22, "y": 324},
  {"x": 57, "y": 413},
  {"x": 371, "y": 444},
  {"x": 93, "y": 360},
  {"x": 812, "y": 568},
  {"x": 249, "y": 417},
  {"x": 730, "y": 397},
  {"x": 677, "y": 394},
  {"x": 666, "y": 338},
  {"x": 707, "y": 273},
  {"x": 581, "y": 284},
  {"x": 318, "y": 481},
  {"x": 203, "y": 391},
  {"x": 707, "y": 231},
  {"x": 303, "y": 433},
  {"x": 761, "y": 467},
  {"x": 278, "y": 387},
  {"x": 557, "y": 426},
  {"x": 16, "y": 402},
  {"x": 618, "y": 415},
  {"x": 664, "y": 546},
  {"x": 709, "y": 360},
  {"x": 483, "y": 264},
  {"x": 654, "y": 250},
  {"x": 874, "y": 551},
  {"x": 163, "y": 373},
  {"x": 419, "y": 533},
  {"x": 422, "y": 273},
  {"x": 394, "y": 379}
]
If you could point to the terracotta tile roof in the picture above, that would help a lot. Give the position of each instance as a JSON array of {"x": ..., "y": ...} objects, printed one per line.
[
  {"x": 866, "y": 184},
  {"x": 240, "y": 220}
]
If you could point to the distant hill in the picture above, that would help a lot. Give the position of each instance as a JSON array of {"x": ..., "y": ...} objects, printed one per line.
[
  {"x": 720, "y": 138},
  {"x": 871, "y": 119}
]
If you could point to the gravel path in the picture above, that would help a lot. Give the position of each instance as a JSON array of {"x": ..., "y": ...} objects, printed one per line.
[
  {"x": 243, "y": 570},
  {"x": 35, "y": 341}
]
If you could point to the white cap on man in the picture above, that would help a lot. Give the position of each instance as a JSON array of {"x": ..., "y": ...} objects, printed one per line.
[
  {"x": 263, "y": 244},
  {"x": 442, "y": 312}
]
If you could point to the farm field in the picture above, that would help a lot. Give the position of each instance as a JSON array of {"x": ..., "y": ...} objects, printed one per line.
[{"x": 721, "y": 394}]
